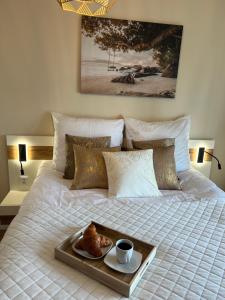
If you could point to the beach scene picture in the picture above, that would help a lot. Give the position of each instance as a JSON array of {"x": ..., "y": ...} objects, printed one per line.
[{"x": 129, "y": 58}]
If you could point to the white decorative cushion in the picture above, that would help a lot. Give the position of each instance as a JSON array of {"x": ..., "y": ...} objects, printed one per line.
[
  {"x": 179, "y": 129},
  {"x": 82, "y": 127},
  {"x": 131, "y": 174}
]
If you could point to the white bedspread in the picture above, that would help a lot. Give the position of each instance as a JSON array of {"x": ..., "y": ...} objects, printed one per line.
[{"x": 188, "y": 227}]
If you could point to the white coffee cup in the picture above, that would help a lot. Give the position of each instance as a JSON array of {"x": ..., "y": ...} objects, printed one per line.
[{"x": 124, "y": 251}]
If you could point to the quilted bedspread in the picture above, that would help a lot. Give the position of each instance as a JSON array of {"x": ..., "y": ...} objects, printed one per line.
[{"x": 188, "y": 229}]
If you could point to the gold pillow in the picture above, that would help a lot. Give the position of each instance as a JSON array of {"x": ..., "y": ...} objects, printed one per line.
[
  {"x": 164, "y": 162},
  {"x": 98, "y": 142},
  {"x": 90, "y": 168}
]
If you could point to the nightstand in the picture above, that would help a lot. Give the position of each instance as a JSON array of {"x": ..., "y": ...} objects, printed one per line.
[{"x": 9, "y": 208}]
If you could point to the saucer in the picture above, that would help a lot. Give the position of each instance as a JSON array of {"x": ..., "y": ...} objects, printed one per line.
[
  {"x": 85, "y": 254},
  {"x": 111, "y": 261}
]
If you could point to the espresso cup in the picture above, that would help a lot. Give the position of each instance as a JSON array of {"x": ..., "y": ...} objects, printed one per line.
[{"x": 124, "y": 251}]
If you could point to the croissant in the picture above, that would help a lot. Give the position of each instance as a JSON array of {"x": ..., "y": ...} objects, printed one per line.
[
  {"x": 90, "y": 231},
  {"x": 92, "y": 246},
  {"x": 104, "y": 241},
  {"x": 92, "y": 242}
]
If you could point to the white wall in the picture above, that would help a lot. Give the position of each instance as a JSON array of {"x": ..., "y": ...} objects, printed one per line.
[{"x": 40, "y": 67}]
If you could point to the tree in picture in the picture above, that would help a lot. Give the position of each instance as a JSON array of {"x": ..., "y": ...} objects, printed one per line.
[{"x": 130, "y": 58}]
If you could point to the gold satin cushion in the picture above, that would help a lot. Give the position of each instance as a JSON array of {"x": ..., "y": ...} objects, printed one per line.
[
  {"x": 90, "y": 168},
  {"x": 164, "y": 162},
  {"x": 98, "y": 142}
]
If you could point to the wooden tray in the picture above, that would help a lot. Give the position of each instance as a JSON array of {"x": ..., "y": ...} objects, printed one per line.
[{"x": 97, "y": 269}]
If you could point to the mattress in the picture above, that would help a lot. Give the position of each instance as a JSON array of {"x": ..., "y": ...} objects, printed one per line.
[{"x": 188, "y": 228}]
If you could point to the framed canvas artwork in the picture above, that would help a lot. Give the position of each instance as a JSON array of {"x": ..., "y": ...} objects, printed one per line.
[{"x": 129, "y": 58}]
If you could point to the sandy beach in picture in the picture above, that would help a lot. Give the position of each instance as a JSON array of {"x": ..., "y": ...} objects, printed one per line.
[
  {"x": 101, "y": 83},
  {"x": 115, "y": 60}
]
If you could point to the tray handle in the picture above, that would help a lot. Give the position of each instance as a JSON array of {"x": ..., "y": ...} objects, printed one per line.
[{"x": 144, "y": 269}]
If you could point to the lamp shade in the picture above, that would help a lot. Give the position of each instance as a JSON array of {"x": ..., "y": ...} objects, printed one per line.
[
  {"x": 22, "y": 152},
  {"x": 87, "y": 7},
  {"x": 201, "y": 153}
]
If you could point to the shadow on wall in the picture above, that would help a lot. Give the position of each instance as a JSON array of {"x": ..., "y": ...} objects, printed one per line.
[{"x": 4, "y": 177}]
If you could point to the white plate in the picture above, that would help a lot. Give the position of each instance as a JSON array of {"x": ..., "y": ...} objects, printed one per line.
[
  {"x": 111, "y": 261},
  {"x": 85, "y": 254}
]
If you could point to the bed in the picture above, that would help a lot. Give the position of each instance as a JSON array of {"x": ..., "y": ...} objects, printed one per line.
[{"x": 188, "y": 227}]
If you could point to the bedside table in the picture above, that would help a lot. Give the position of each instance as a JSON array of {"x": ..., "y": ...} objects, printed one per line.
[{"x": 9, "y": 208}]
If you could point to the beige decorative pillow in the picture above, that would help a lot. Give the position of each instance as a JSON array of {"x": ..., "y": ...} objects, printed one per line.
[
  {"x": 131, "y": 174},
  {"x": 99, "y": 142},
  {"x": 164, "y": 162},
  {"x": 153, "y": 143},
  {"x": 90, "y": 169}
]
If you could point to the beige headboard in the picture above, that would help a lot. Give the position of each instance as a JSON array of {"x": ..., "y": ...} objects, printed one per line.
[{"x": 40, "y": 148}]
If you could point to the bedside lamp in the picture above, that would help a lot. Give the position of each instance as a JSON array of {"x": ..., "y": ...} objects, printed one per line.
[
  {"x": 201, "y": 154},
  {"x": 22, "y": 157}
]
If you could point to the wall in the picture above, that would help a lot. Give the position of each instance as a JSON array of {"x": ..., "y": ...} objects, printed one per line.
[{"x": 40, "y": 66}]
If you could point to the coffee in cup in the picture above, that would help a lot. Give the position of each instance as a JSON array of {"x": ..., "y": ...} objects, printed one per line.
[{"x": 124, "y": 251}]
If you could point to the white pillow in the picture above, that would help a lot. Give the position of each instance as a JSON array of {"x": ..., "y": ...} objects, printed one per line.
[
  {"x": 82, "y": 127},
  {"x": 131, "y": 174},
  {"x": 179, "y": 129}
]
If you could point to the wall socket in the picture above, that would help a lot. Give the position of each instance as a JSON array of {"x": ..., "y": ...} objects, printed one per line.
[{"x": 23, "y": 179}]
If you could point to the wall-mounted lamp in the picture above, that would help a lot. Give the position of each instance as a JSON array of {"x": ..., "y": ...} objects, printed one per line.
[
  {"x": 201, "y": 154},
  {"x": 22, "y": 157}
]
